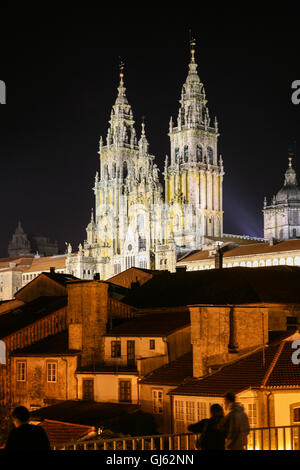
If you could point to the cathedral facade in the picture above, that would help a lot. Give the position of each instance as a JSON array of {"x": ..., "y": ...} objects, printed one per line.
[{"x": 136, "y": 223}]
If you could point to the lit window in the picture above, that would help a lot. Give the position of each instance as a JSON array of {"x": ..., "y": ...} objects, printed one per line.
[
  {"x": 190, "y": 411},
  {"x": 21, "y": 371},
  {"x": 157, "y": 397},
  {"x": 51, "y": 371},
  {"x": 201, "y": 410},
  {"x": 179, "y": 410},
  {"x": 252, "y": 414},
  {"x": 282, "y": 261},
  {"x": 152, "y": 343}
]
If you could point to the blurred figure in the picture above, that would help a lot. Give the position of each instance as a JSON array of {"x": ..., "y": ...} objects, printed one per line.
[
  {"x": 26, "y": 436},
  {"x": 212, "y": 430},
  {"x": 236, "y": 424}
]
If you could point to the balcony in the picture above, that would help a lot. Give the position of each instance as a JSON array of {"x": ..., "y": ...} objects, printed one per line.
[{"x": 272, "y": 438}]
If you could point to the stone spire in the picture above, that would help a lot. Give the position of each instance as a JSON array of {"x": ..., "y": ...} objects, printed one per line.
[
  {"x": 143, "y": 142},
  {"x": 121, "y": 132},
  {"x": 193, "y": 111}
]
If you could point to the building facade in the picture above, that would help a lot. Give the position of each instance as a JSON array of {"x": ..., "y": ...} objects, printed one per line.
[
  {"x": 282, "y": 215},
  {"x": 134, "y": 224}
]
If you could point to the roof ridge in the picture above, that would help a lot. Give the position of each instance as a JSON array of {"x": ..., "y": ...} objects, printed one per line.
[{"x": 273, "y": 363}]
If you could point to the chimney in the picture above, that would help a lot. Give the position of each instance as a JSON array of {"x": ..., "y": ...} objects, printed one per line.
[
  {"x": 219, "y": 258},
  {"x": 52, "y": 270}
]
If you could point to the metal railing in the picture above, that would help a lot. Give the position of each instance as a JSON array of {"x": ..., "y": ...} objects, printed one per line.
[{"x": 268, "y": 438}]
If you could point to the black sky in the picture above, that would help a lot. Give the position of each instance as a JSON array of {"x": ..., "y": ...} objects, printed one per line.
[{"x": 61, "y": 77}]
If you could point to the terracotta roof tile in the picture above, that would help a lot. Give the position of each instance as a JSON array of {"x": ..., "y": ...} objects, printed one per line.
[
  {"x": 248, "y": 372},
  {"x": 247, "y": 250},
  {"x": 173, "y": 373},
  {"x": 24, "y": 315},
  {"x": 52, "y": 345},
  {"x": 60, "y": 433}
]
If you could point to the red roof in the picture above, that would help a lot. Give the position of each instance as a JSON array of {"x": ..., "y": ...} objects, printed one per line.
[
  {"x": 278, "y": 371},
  {"x": 247, "y": 250},
  {"x": 173, "y": 373},
  {"x": 60, "y": 433}
]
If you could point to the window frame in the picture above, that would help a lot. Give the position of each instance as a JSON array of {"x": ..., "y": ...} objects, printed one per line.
[
  {"x": 52, "y": 372},
  {"x": 24, "y": 372}
]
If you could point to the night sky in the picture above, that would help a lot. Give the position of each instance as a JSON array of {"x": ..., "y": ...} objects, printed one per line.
[{"x": 62, "y": 75}]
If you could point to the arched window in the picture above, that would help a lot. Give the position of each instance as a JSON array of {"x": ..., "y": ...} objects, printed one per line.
[
  {"x": 275, "y": 262},
  {"x": 186, "y": 153},
  {"x": 2, "y": 352},
  {"x": 176, "y": 154},
  {"x": 297, "y": 261},
  {"x": 125, "y": 170},
  {"x": 199, "y": 154},
  {"x": 210, "y": 155}
]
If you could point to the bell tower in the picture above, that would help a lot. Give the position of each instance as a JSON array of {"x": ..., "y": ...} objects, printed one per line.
[{"x": 194, "y": 175}]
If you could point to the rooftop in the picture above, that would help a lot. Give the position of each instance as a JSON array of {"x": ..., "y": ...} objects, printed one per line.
[
  {"x": 253, "y": 371},
  {"x": 173, "y": 373},
  {"x": 86, "y": 413},
  {"x": 246, "y": 250},
  {"x": 155, "y": 324},
  {"x": 219, "y": 287},
  {"x": 24, "y": 315},
  {"x": 51, "y": 346},
  {"x": 60, "y": 433}
]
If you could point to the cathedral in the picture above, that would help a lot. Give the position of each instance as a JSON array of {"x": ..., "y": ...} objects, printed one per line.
[{"x": 136, "y": 222}]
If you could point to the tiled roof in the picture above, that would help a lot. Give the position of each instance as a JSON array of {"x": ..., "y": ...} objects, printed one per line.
[
  {"x": 81, "y": 412},
  {"x": 249, "y": 372},
  {"x": 173, "y": 373},
  {"x": 219, "y": 287},
  {"x": 28, "y": 313},
  {"x": 19, "y": 261},
  {"x": 247, "y": 250},
  {"x": 47, "y": 262},
  {"x": 62, "y": 433},
  {"x": 156, "y": 324},
  {"x": 52, "y": 345}
]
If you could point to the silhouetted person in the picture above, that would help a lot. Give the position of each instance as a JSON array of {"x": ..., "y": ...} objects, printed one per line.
[
  {"x": 212, "y": 430},
  {"x": 26, "y": 436},
  {"x": 236, "y": 424}
]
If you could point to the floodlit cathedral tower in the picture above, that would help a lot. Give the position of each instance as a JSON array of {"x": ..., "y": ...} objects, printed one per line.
[
  {"x": 194, "y": 176},
  {"x": 133, "y": 225},
  {"x": 128, "y": 200},
  {"x": 282, "y": 215}
]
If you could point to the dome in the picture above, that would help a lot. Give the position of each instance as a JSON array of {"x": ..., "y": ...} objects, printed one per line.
[{"x": 290, "y": 190}]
